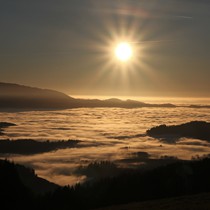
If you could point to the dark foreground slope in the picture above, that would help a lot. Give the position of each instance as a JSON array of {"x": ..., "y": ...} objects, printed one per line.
[
  {"x": 183, "y": 178},
  {"x": 18, "y": 97},
  {"x": 190, "y": 202},
  {"x": 20, "y": 186},
  {"x": 24, "y": 178}
]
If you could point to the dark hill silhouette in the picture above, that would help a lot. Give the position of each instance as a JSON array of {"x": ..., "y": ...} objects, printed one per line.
[
  {"x": 98, "y": 170},
  {"x": 19, "y": 97},
  {"x": 14, "y": 96},
  {"x": 33, "y": 182},
  {"x": 177, "y": 179},
  {"x": 5, "y": 125},
  {"x": 12, "y": 191},
  {"x": 19, "y": 186},
  {"x": 26, "y": 177},
  {"x": 194, "y": 129},
  {"x": 181, "y": 178},
  {"x": 189, "y": 202},
  {"x": 29, "y": 146},
  {"x": 199, "y": 106}
]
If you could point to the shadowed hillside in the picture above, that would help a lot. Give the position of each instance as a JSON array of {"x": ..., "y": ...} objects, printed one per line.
[
  {"x": 192, "y": 202},
  {"x": 19, "y": 186},
  {"x": 177, "y": 179},
  {"x": 18, "y": 97},
  {"x": 24, "y": 177},
  {"x": 35, "y": 183},
  {"x": 14, "y": 96},
  {"x": 182, "y": 178}
]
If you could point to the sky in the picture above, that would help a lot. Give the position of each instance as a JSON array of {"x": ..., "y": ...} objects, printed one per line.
[{"x": 68, "y": 45}]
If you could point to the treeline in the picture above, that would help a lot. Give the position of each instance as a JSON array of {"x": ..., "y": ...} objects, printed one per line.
[{"x": 180, "y": 178}]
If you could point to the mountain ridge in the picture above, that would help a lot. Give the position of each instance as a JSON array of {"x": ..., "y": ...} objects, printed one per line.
[{"x": 21, "y": 97}]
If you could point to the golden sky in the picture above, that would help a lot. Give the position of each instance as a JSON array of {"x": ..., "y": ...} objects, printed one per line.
[{"x": 69, "y": 46}]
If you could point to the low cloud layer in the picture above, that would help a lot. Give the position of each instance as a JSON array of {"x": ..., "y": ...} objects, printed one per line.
[{"x": 116, "y": 135}]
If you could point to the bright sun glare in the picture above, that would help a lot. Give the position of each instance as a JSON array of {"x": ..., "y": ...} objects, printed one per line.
[{"x": 123, "y": 51}]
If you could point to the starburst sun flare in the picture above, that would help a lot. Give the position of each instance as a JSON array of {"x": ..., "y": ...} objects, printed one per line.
[{"x": 123, "y": 51}]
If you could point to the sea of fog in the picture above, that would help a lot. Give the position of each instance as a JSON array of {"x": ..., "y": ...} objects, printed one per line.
[{"x": 111, "y": 134}]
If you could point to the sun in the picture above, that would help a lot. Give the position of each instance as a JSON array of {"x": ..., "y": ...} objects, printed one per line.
[{"x": 123, "y": 51}]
